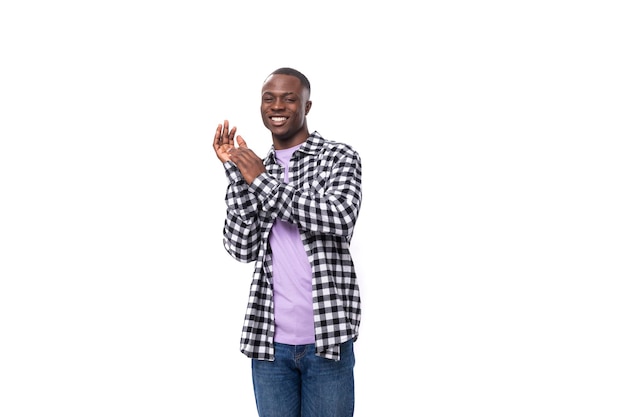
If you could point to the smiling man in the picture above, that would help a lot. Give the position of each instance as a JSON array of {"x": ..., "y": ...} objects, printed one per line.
[{"x": 293, "y": 214}]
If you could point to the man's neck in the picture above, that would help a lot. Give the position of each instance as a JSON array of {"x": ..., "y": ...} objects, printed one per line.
[{"x": 286, "y": 143}]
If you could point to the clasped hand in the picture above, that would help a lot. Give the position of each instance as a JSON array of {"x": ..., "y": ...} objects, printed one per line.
[{"x": 248, "y": 163}]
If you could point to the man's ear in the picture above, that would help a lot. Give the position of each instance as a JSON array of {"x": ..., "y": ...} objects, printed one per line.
[{"x": 307, "y": 107}]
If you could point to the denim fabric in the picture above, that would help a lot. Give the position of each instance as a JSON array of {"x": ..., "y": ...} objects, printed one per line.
[{"x": 300, "y": 384}]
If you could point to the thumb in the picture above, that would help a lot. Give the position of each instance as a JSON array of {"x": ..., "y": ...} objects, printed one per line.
[{"x": 242, "y": 143}]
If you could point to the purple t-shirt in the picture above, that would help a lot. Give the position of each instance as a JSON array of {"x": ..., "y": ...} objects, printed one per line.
[{"x": 292, "y": 277}]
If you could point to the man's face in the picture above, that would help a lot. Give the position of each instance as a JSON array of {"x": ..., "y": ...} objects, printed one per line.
[{"x": 284, "y": 106}]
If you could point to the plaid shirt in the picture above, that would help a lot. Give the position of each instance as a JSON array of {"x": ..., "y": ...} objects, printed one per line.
[{"x": 323, "y": 197}]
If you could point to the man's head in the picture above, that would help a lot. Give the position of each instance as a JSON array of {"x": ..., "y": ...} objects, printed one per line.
[{"x": 284, "y": 106}]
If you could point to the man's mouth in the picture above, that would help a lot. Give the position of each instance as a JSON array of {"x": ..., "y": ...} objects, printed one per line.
[{"x": 278, "y": 119}]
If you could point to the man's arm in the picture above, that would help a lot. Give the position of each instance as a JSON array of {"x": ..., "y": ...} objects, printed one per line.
[
  {"x": 334, "y": 211},
  {"x": 241, "y": 228}
]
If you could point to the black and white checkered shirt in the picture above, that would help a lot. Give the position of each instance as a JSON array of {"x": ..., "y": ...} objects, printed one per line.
[{"x": 323, "y": 197}]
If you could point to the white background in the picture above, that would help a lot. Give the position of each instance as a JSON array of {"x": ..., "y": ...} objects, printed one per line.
[{"x": 491, "y": 243}]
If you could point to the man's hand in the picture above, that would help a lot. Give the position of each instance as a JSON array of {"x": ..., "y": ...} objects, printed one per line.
[
  {"x": 224, "y": 141},
  {"x": 249, "y": 164}
]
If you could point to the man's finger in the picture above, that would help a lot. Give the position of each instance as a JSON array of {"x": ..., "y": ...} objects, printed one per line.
[{"x": 242, "y": 143}]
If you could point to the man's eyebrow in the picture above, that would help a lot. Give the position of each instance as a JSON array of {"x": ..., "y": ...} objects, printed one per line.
[{"x": 282, "y": 95}]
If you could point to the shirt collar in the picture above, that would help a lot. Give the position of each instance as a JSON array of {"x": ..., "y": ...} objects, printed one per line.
[{"x": 311, "y": 146}]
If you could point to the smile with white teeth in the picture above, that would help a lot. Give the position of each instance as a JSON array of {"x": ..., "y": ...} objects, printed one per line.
[{"x": 278, "y": 119}]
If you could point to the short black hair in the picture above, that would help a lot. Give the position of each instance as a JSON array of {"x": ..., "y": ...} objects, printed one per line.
[{"x": 290, "y": 71}]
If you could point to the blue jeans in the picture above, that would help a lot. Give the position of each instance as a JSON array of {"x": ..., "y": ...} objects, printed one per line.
[{"x": 299, "y": 384}]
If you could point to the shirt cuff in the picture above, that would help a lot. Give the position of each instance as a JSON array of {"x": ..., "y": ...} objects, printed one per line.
[
  {"x": 232, "y": 172},
  {"x": 263, "y": 185}
]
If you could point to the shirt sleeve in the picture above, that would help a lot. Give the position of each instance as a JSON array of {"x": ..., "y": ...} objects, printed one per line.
[
  {"x": 242, "y": 235},
  {"x": 328, "y": 204}
]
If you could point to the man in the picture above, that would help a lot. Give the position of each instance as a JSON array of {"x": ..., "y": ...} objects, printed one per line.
[{"x": 294, "y": 214}]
